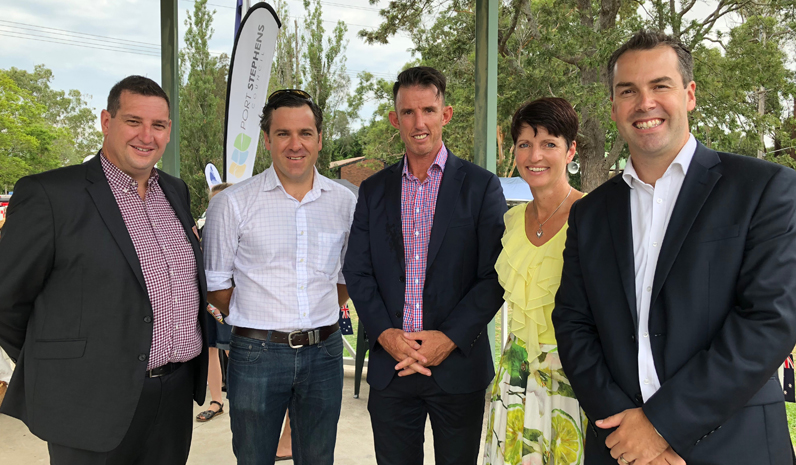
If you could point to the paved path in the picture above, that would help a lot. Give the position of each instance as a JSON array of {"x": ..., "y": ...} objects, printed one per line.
[{"x": 212, "y": 440}]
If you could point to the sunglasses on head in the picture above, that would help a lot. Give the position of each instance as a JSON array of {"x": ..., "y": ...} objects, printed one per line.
[{"x": 296, "y": 92}]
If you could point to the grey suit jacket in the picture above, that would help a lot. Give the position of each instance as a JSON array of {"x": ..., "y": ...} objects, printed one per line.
[{"x": 74, "y": 308}]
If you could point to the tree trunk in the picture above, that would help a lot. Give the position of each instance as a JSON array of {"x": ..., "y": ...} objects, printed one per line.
[{"x": 591, "y": 141}]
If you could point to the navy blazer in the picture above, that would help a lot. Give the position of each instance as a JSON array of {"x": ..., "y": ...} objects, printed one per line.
[
  {"x": 74, "y": 309},
  {"x": 722, "y": 314},
  {"x": 461, "y": 293}
]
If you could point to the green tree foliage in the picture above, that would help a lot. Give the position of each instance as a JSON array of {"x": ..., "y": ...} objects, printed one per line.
[
  {"x": 28, "y": 140},
  {"x": 66, "y": 110},
  {"x": 202, "y": 105},
  {"x": 324, "y": 68},
  {"x": 561, "y": 48}
]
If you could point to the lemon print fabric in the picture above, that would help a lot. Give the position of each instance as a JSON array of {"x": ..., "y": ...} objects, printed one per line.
[{"x": 534, "y": 418}]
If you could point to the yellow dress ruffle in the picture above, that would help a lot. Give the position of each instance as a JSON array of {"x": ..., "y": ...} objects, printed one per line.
[{"x": 530, "y": 277}]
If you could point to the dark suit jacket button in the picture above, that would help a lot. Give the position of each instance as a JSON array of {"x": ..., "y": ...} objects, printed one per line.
[
  {"x": 147, "y": 319},
  {"x": 142, "y": 357},
  {"x": 402, "y": 278},
  {"x": 639, "y": 398},
  {"x": 398, "y": 314}
]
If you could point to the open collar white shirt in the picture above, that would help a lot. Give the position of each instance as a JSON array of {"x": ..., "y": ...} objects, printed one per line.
[
  {"x": 284, "y": 257},
  {"x": 650, "y": 211}
]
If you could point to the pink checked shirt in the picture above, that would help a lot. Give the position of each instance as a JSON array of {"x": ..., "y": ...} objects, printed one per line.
[
  {"x": 167, "y": 262},
  {"x": 418, "y": 202}
]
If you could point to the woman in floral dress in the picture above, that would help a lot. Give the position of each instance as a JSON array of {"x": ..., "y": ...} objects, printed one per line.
[{"x": 534, "y": 417}]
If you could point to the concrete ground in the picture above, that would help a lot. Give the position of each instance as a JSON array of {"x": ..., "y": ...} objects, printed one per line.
[{"x": 212, "y": 440}]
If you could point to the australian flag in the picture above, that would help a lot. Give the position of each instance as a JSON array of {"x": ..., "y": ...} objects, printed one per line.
[
  {"x": 787, "y": 380},
  {"x": 345, "y": 321}
]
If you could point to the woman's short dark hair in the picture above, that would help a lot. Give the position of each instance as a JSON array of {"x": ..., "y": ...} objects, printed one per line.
[
  {"x": 554, "y": 114},
  {"x": 290, "y": 100},
  {"x": 139, "y": 85},
  {"x": 422, "y": 76}
]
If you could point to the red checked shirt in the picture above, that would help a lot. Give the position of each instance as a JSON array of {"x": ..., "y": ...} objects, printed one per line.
[
  {"x": 418, "y": 202},
  {"x": 167, "y": 262}
]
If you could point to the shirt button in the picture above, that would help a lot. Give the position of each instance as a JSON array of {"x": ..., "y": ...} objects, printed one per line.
[
  {"x": 142, "y": 357},
  {"x": 659, "y": 200},
  {"x": 646, "y": 334},
  {"x": 417, "y": 305},
  {"x": 176, "y": 326},
  {"x": 175, "y": 300},
  {"x": 417, "y": 257},
  {"x": 417, "y": 210},
  {"x": 301, "y": 287},
  {"x": 416, "y": 233},
  {"x": 417, "y": 281},
  {"x": 649, "y": 289},
  {"x": 646, "y": 381},
  {"x": 301, "y": 260},
  {"x": 301, "y": 233},
  {"x": 655, "y": 244},
  {"x": 304, "y": 314},
  {"x": 420, "y": 188}
]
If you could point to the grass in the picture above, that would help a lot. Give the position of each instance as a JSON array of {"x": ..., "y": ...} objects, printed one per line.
[{"x": 791, "y": 409}]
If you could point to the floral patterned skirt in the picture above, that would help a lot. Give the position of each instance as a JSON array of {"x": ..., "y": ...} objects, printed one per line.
[{"x": 534, "y": 418}]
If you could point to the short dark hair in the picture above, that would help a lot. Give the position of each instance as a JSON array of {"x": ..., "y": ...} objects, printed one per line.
[
  {"x": 139, "y": 85},
  {"x": 647, "y": 40},
  {"x": 554, "y": 114},
  {"x": 290, "y": 100},
  {"x": 423, "y": 76}
]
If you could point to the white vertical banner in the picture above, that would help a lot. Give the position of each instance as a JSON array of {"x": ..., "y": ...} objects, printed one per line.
[{"x": 247, "y": 89}]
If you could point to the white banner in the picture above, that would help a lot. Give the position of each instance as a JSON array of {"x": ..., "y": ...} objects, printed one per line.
[
  {"x": 247, "y": 88},
  {"x": 211, "y": 175}
]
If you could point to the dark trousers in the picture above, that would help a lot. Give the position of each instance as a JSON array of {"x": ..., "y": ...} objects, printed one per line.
[
  {"x": 160, "y": 433},
  {"x": 398, "y": 416}
]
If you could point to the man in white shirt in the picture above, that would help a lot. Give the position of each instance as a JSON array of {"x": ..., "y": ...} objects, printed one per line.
[
  {"x": 274, "y": 246},
  {"x": 678, "y": 293}
]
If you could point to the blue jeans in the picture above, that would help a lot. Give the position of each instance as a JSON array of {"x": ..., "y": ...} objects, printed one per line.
[{"x": 265, "y": 378}]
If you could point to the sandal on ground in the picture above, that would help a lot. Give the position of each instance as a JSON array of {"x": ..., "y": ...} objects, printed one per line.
[
  {"x": 210, "y": 414},
  {"x": 280, "y": 458}
]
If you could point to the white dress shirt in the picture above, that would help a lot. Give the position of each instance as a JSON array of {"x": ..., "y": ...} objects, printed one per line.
[
  {"x": 650, "y": 211},
  {"x": 283, "y": 256}
]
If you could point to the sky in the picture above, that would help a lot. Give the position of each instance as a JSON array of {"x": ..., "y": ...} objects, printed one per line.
[{"x": 90, "y": 45}]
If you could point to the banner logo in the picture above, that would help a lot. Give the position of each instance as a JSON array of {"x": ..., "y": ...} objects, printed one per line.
[{"x": 247, "y": 89}]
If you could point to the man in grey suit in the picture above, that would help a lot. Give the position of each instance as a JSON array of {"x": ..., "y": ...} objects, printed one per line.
[{"x": 102, "y": 285}]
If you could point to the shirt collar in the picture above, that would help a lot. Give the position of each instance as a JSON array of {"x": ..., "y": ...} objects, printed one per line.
[
  {"x": 118, "y": 178},
  {"x": 682, "y": 161},
  {"x": 439, "y": 162},
  {"x": 319, "y": 183}
]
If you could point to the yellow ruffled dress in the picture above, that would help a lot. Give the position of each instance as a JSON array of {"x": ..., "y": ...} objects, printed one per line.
[{"x": 534, "y": 416}]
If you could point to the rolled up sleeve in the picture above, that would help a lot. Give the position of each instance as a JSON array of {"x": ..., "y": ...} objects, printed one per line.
[{"x": 220, "y": 241}]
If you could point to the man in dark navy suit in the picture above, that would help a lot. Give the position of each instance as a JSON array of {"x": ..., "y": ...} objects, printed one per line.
[
  {"x": 420, "y": 270},
  {"x": 678, "y": 295}
]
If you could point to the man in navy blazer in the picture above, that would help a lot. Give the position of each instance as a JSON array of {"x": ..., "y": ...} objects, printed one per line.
[
  {"x": 678, "y": 294},
  {"x": 420, "y": 270}
]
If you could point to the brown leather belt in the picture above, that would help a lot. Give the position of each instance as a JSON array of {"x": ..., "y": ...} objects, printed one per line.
[{"x": 294, "y": 339}]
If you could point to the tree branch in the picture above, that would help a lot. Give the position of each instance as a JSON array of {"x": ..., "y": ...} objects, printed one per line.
[{"x": 503, "y": 40}]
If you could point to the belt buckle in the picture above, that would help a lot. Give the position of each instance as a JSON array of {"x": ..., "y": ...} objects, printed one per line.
[{"x": 290, "y": 339}]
